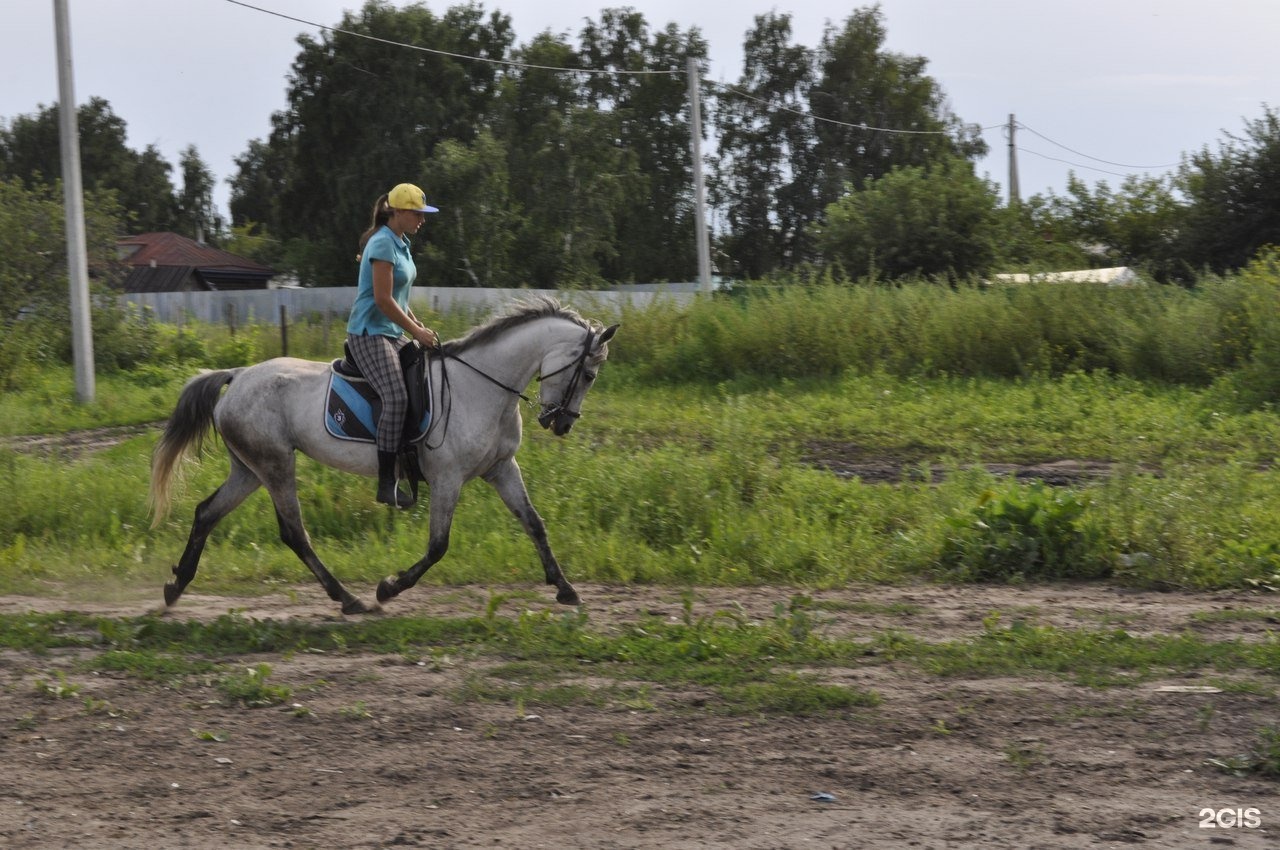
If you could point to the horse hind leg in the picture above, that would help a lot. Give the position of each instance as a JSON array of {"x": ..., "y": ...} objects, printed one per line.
[
  {"x": 240, "y": 483},
  {"x": 283, "y": 488},
  {"x": 444, "y": 499}
]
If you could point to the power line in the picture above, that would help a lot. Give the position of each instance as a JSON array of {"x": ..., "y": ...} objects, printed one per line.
[
  {"x": 1069, "y": 162},
  {"x": 1094, "y": 158},
  {"x": 859, "y": 126},
  {"x": 504, "y": 62}
]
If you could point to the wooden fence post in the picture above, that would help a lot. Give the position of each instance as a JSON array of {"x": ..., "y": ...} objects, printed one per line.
[{"x": 284, "y": 331}]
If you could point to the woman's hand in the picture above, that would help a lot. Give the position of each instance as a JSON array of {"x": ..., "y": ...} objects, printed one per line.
[{"x": 426, "y": 337}]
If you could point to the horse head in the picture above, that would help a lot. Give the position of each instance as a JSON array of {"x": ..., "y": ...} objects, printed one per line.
[{"x": 568, "y": 375}]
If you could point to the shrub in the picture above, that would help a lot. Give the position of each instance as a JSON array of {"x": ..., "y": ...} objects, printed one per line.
[
  {"x": 1033, "y": 532},
  {"x": 1256, "y": 383},
  {"x": 122, "y": 338}
]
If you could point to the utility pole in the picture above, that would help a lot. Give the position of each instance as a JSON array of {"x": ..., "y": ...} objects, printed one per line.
[
  {"x": 699, "y": 190},
  {"x": 1015, "y": 196},
  {"x": 73, "y": 193}
]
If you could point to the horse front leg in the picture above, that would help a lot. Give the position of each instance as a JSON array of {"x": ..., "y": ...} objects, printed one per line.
[
  {"x": 444, "y": 499},
  {"x": 509, "y": 483}
]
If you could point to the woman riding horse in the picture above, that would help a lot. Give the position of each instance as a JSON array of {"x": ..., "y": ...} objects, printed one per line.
[{"x": 381, "y": 317}]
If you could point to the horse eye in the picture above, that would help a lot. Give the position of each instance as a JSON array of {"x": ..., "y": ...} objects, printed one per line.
[{"x": 591, "y": 376}]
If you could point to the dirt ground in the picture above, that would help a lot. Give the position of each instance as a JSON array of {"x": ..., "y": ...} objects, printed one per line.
[{"x": 388, "y": 757}]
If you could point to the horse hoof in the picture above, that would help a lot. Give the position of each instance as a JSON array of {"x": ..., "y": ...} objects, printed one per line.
[
  {"x": 568, "y": 596},
  {"x": 387, "y": 590},
  {"x": 171, "y": 594},
  {"x": 355, "y": 606}
]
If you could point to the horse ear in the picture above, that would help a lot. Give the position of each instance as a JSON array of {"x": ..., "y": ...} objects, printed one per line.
[{"x": 607, "y": 333}]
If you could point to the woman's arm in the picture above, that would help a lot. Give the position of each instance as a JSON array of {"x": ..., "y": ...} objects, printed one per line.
[{"x": 383, "y": 296}]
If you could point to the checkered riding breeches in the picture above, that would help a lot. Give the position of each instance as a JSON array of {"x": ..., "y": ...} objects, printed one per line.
[{"x": 379, "y": 359}]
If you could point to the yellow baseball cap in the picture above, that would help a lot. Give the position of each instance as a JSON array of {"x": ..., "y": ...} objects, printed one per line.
[{"x": 407, "y": 196}]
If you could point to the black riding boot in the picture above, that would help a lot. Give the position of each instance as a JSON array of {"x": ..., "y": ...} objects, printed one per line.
[{"x": 389, "y": 492}]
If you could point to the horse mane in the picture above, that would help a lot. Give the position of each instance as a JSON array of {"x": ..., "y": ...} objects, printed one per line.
[{"x": 527, "y": 310}]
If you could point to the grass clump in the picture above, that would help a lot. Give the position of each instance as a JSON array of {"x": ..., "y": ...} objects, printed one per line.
[
  {"x": 1262, "y": 760},
  {"x": 251, "y": 688}
]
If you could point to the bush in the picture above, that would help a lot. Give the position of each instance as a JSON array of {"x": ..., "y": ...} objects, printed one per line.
[
  {"x": 1256, "y": 383},
  {"x": 1025, "y": 533},
  {"x": 122, "y": 338},
  {"x": 236, "y": 351}
]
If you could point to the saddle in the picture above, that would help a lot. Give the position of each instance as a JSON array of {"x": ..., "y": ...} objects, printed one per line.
[{"x": 352, "y": 406}]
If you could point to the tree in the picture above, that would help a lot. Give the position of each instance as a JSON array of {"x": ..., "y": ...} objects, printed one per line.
[
  {"x": 197, "y": 216},
  {"x": 252, "y": 241},
  {"x": 1137, "y": 225},
  {"x": 655, "y": 237},
  {"x": 766, "y": 144},
  {"x": 475, "y": 232},
  {"x": 872, "y": 111},
  {"x": 1233, "y": 197},
  {"x": 878, "y": 110},
  {"x": 1036, "y": 235},
  {"x": 30, "y": 151},
  {"x": 937, "y": 219},
  {"x": 34, "y": 284},
  {"x": 262, "y": 173},
  {"x": 571, "y": 174},
  {"x": 534, "y": 117}
]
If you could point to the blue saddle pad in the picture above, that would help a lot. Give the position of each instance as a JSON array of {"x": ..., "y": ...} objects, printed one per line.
[{"x": 352, "y": 408}]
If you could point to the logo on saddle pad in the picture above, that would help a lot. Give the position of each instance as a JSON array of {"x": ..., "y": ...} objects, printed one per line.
[{"x": 352, "y": 409}]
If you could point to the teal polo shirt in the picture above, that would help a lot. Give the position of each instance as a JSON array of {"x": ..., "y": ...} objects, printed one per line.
[{"x": 366, "y": 318}]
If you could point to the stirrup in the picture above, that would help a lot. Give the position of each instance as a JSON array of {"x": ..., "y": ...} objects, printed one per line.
[{"x": 400, "y": 499}]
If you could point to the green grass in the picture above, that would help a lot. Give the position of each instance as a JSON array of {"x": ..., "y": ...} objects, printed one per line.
[
  {"x": 717, "y": 485},
  {"x": 1089, "y": 656},
  {"x": 121, "y": 398},
  {"x": 699, "y": 459},
  {"x": 250, "y": 687},
  {"x": 771, "y": 666},
  {"x": 1238, "y": 615}
]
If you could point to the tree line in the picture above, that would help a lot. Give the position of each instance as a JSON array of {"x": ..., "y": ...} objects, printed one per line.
[{"x": 560, "y": 163}]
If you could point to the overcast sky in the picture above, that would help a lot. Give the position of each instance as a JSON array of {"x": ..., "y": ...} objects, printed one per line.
[{"x": 1107, "y": 86}]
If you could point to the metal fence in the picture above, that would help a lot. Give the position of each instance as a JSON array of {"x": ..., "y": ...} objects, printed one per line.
[{"x": 270, "y": 305}]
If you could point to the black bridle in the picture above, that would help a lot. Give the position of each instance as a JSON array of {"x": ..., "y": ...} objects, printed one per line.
[
  {"x": 579, "y": 365},
  {"x": 548, "y": 413}
]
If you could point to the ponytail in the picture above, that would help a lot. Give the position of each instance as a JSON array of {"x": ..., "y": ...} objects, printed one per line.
[{"x": 380, "y": 216}]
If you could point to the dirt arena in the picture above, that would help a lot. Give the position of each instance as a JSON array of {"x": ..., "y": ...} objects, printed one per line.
[{"x": 387, "y": 756}]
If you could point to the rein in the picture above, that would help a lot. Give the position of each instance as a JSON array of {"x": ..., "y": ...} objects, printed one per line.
[{"x": 447, "y": 356}]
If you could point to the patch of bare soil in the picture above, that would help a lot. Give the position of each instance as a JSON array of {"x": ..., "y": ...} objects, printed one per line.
[
  {"x": 388, "y": 756},
  {"x": 848, "y": 460},
  {"x": 75, "y": 443}
]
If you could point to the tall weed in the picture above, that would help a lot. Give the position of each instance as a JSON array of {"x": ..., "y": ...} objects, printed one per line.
[{"x": 1224, "y": 327}]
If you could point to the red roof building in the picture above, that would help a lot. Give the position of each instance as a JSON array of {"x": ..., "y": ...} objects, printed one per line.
[{"x": 167, "y": 262}]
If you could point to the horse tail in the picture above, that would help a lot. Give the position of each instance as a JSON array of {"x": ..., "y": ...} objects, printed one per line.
[{"x": 187, "y": 428}]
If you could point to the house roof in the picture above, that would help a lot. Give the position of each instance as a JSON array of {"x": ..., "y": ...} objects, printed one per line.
[
  {"x": 172, "y": 249},
  {"x": 162, "y": 262},
  {"x": 160, "y": 279}
]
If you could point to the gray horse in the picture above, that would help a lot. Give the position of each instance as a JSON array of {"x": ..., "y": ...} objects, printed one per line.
[{"x": 271, "y": 409}]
